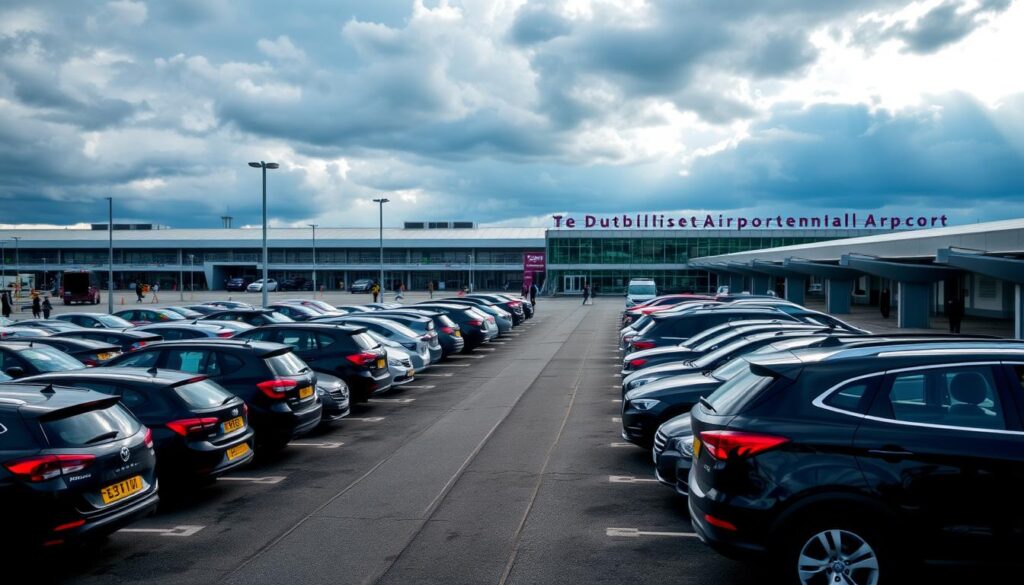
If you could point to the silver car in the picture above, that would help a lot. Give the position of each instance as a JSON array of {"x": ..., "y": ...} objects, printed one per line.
[
  {"x": 397, "y": 349},
  {"x": 408, "y": 338}
]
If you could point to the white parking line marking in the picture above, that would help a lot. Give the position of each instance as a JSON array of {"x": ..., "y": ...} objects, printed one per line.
[
  {"x": 418, "y": 387},
  {"x": 366, "y": 418},
  {"x": 466, "y": 357},
  {"x": 451, "y": 365},
  {"x": 629, "y": 479},
  {"x": 616, "y": 419},
  {"x": 635, "y": 532},
  {"x": 325, "y": 445},
  {"x": 389, "y": 401},
  {"x": 435, "y": 375},
  {"x": 618, "y": 375},
  {"x": 484, "y": 349},
  {"x": 183, "y": 530},
  {"x": 616, "y": 387},
  {"x": 612, "y": 445},
  {"x": 270, "y": 479},
  {"x": 616, "y": 400}
]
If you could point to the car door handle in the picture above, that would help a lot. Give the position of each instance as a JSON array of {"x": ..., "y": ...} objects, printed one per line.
[{"x": 890, "y": 453}]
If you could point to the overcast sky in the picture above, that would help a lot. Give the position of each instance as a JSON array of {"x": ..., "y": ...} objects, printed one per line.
[{"x": 506, "y": 111}]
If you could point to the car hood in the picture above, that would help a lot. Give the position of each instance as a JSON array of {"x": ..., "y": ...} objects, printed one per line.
[
  {"x": 679, "y": 426},
  {"x": 673, "y": 384},
  {"x": 660, "y": 351}
]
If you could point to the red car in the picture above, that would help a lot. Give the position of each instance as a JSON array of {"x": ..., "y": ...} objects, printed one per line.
[{"x": 660, "y": 304}]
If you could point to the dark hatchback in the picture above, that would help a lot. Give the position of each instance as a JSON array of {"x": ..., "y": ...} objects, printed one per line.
[
  {"x": 276, "y": 385},
  {"x": 127, "y": 340},
  {"x": 237, "y": 284},
  {"x": 295, "y": 312},
  {"x": 90, "y": 353},
  {"x": 74, "y": 464},
  {"x": 449, "y": 333},
  {"x": 514, "y": 308},
  {"x": 421, "y": 324},
  {"x": 344, "y": 351},
  {"x": 200, "y": 430},
  {"x": 472, "y": 327},
  {"x": 673, "y": 329},
  {"x": 19, "y": 359},
  {"x": 254, "y": 317},
  {"x": 846, "y": 464}
]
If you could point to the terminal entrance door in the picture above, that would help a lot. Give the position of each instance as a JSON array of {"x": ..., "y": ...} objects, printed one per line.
[{"x": 573, "y": 283}]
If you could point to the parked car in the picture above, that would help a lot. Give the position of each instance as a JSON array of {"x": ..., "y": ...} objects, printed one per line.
[
  {"x": 394, "y": 330},
  {"x": 511, "y": 306},
  {"x": 48, "y": 325},
  {"x": 666, "y": 330},
  {"x": 476, "y": 327},
  {"x": 22, "y": 333},
  {"x": 278, "y": 387},
  {"x": 147, "y": 316},
  {"x": 321, "y": 307},
  {"x": 335, "y": 397},
  {"x": 129, "y": 340},
  {"x": 188, "y": 330},
  {"x": 200, "y": 430},
  {"x": 296, "y": 283},
  {"x": 254, "y": 317},
  {"x": 339, "y": 350},
  {"x": 349, "y": 309},
  {"x": 74, "y": 465},
  {"x": 19, "y": 359},
  {"x": 91, "y": 353},
  {"x": 501, "y": 317},
  {"x": 640, "y": 290},
  {"x": 296, "y": 312},
  {"x": 449, "y": 333},
  {"x": 204, "y": 309},
  {"x": 237, "y": 283},
  {"x": 422, "y": 325},
  {"x": 396, "y": 349},
  {"x": 185, "y": 312},
  {"x": 95, "y": 320},
  {"x": 257, "y": 286},
  {"x": 363, "y": 285},
  {"x": 843, "y": 463},
  {"x": 228, "y": 304}
]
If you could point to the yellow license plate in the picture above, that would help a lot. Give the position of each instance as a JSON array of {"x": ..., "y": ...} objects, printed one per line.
[
  {"x": 696, "y": 448},
  {"x": 121, "y": 489},
  {"x": 458, "y": 334},
  {"x": 380, "y": 363},
  {"x": 105, "y": 356},
  {"x": 410, "y": 372},
  {"x": 233, "y": 424},
  {"x": 237, "y": 451},
  {"x": 305, "y": 392}
]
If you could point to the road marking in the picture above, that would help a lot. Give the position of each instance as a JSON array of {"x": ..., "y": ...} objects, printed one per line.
[
  {"x": 618, "y": 445},
  {"x": 184, "y": 530},
  {"x": 466, "y": 357},
  {"x": 418, "y": 387},
  {"x": 629, "y": 479},
  {"x": 450, "y": 365},
  {"x": 484, "y": 349},
  {"x": 497, "y": 343},
  {"x": 390, "y": 401},
  {"x": 635, "y": 532},
  {"x": 270, "y": 479},
  {"x": 435, "y": 375},
  {"x": 616, "y": 419},
  {"x": 366, "y": 418},
  {"x": 324, "y": 445},
  {"x": 619, "y": 375},
  {"x": 616, "y": 400},
  {"x": 616, "y": 387}
]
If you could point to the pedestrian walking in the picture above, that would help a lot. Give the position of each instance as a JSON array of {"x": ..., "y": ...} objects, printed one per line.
[
  {"x": 430, "y": 288},
  {"x": 955, "y": 312},
  {"x": 534, "y": 289},
  {"x": 525, "y": 292},
  {"x": 375, "y": 289},
  {"x": 47, "y": 307},
  {"x": 586, "y": 293},
  {"x": 400, "y": 293},
  {"x": 5, "y": 303},
  {"x": 885, "y": 303},
  {"x": 37, "y": 306},
  {"x": 138, "y": 292}
]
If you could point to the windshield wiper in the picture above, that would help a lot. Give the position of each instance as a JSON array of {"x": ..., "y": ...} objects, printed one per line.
[
  {"x": 103, "y": 437},
  {"x": 707, "y": 404}
]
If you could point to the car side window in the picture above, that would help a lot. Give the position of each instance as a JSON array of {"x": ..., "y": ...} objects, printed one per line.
[
  {"x": 9, "y": 360},
  {"x": 14, "y": 435},
  {"x": 852, "y": 397},
  {"x": 170, "y": 334},
  {"x": 227, "y": 363},
  {"x": 964, "y": 396},
  {"x": 143, "y": 359},
  {"x": 185, "y": 360},
  {"x": 324, "y": 340},
  {"x": 259, "y": 335},
  {"x": 298, "y": 340},
  {"x": 133, "y": 399}
]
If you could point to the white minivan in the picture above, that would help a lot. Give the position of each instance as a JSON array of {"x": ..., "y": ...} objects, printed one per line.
[{"x": 640, "y": 290}]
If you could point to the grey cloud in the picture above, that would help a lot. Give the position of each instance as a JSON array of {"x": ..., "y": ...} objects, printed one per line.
[
  {"x": 780, "y": 55},
  {"x": 943, "y": 25},
  {"x": 537, "y": 24}
]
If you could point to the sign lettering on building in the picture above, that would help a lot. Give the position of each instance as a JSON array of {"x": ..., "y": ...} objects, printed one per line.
[{"x": 710, "y": 221}]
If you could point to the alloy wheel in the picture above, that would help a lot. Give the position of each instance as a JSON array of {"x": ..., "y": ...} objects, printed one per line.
[{"x": 837, "y": 557}]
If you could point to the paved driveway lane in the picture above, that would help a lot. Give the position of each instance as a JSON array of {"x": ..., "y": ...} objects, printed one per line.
[{"x": 355, "y": 537}]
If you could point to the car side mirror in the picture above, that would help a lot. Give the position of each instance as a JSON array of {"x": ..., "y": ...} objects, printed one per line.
[
  {"x": 15, "y": 372},
  {"x": 97, "y": 326}
]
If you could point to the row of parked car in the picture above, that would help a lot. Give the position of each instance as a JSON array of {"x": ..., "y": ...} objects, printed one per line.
[
  {"x": 822, "y": 451},
  {"x": 97, "y": 411}
]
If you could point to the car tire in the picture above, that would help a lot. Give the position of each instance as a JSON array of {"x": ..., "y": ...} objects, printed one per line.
[{"x": 818, "y": 545}]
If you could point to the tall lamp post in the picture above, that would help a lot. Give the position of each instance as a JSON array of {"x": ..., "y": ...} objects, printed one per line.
[
  {"x": 17, "y": 267},
  {"x": 110, "y": 255},
  {"x": 44, "y": 273},
  {"x": 314, "y": 226},
  {"x": 381, "y": 201},
  {"x": 192, "y": 276},
  {"x": 263, "y": 166}
]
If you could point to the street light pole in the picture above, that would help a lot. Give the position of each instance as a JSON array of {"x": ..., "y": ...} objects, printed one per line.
[
  {"x": 44, "y": 273},
  {"x": 381, "y": 201},
  {"x": 192, "y": 276},
  {"x": 110, "y": 255},
  {"x": 181, "y": 277},
  {"x": 313, "y": 225},
  {"x": 17, "y": 267},
  {"x": 264, "y": 166}
]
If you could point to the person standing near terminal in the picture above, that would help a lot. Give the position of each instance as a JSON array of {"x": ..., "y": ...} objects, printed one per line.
[
  {"x": 885, "y": 303},
  {"x": 586, "y": 293},
  {"x": 430, "y": 288},
  {"x": 138, "y": 292},
  {"x": 533, "y": 294},
  {"x": 955, "y": 312},
  {"x": 375, "y": 289},
  {"x": 47, "y": 307},
  {"x": 5, "y": 303},
  {"x": 37, "y": 307},
  {"x": 400, "y": 292}
]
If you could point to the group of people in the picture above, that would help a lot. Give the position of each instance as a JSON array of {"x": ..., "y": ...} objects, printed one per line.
[
  {"x": 41, "y": 306},
  {"x": 377, "y": 291}
]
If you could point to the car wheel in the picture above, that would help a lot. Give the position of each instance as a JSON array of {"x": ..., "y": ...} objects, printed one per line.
[{"x": 836, "y": 550}]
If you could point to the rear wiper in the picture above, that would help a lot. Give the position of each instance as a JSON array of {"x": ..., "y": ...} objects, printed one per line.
[
  {"x": 707, "y": 404},
  {"x": 103, "y": 437},
  {"x": 226, "y": 400}
]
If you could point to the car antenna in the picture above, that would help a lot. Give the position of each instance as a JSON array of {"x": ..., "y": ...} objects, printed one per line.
[{"x": 48, "y": 390}]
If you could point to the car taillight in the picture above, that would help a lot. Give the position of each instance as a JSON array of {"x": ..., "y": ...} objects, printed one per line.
[
  {"x": 643, "y": 344},
  {"x": 276, "y": 388},
  {"x": 69, "y": 525},
  {"x": 726, "y": 445},
  {"x": 225, "y": 334},
  {"x": 137, "y": 345},
  {"x": 148, "y": 440},
  {"x": 637, "y": 363},
  {"x": 187, "y": 426},
  {"x": 476, "y": 322},
  {"x": 447, "y": 330},
  {"x": 514, "y": 304},
  {"x": 44, "y": 467},
  {"x": 361, "y": 359},
  {"x": 90, "y": 363}
]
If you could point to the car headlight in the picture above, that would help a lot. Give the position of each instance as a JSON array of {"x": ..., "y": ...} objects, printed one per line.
[
  {"x": 394, "y": 362},
  {"x": 643, "y": 403},
  {"x": 638, "y": 383},
  {"x": 684, "y": 445},
  {"x": 411, "y": 346}
]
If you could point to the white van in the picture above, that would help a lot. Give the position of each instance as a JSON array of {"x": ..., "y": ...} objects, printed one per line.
[{"x": 640, "y": 290}]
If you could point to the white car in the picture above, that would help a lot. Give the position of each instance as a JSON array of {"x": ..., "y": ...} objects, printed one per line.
[{"x": 258, "y": 286}]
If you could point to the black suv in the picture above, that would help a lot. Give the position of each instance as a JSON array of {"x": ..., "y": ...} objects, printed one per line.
[
  {"x": 127, "y": 340},
  {"x": 87, "y": 351},
  {"x": 673, "y": 329},
  {"x": 237, "y": 284},
  {"x": 276, "y": 385},
  {"x": 844, "y": 464},
  {"x": 19, "y": 359},
  {"x": 200, "y": 430},
  {"x": 344, "y": 351},
  {"x": 449, "y": 334},
  {"x": 473, "y": 330},
  {"x": 73, "y": 464},
  {"x": 254, "y": 317}
]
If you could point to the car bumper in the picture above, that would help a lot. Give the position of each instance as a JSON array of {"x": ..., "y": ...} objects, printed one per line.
[
  {"x": 639, "y": 426},
  {"x": 113, "y": 520},
  {"x": 730, "y": 543}
]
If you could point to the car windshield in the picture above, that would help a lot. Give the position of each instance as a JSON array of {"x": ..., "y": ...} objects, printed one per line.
[
  {"x": 708, "y": 344},
  {"x": 721, "y": 353},
  {"x": 275, "y": 317},
  {"x": 286, "y": 364},
  {"x": 641, "y": 289},
  {"x": 47, "y": 359},
  {"x": 113, "y": 321},
  {"x": 367, "y": 340},
  {"x": 729, "y": 369},
  {"x": 170, "y": 316},
  {"x": 377, "y": 337},
  {"x": 91, "y": 427},
  {"x": 737, "y": 392},
  {"x": 203, "y": 394}
]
